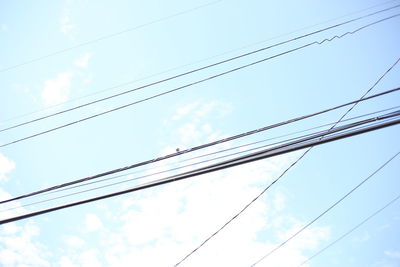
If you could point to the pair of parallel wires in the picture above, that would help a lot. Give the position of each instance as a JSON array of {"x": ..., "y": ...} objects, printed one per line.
[
  {"x": 337, "y": 133},
  {"x": 321, "y": 139},
  {"x": 198, "y": 81}
]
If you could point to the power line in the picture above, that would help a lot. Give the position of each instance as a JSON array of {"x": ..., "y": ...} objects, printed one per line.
[
  {"x": 176, "y": 168},
  {"x": 191, "y": 84},
  {"x": 229, "y": 149},
  {"x": 335, "y": 134},
  {"x": 198, "y": 61},
  {"x": 351, "y": 230},
  {"x": 209, "y": 66},
  {"x": 104, "y": 37},
  {"x": 326, "y": 211},
  {"x": 284, "y": 172},
  {"x": 220, "y": 141}
]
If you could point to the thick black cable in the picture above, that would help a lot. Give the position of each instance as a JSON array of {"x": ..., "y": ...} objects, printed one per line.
[
  {"x": 285, "y": 171},
  {"x": 108, "y": 36},
  {"x": 196, "y": 148},
  {"x": 219, "y": 152},
  {"x": 203, "y": 68},
  {"x": 234, "y": 162},
  {"x": 326, "y": 211},
  {"x": 351, "y": 230},
  {"x": 164, "y": 171},
  {"x": 189, "y": 64}
]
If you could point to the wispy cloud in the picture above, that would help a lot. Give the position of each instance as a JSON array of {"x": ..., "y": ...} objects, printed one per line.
[
  {"x": 18, "y": 248},
  {"x": 393, "y": 254},
  {"x": 92, "y": 222},
  {"x": 56, "y": 91},
  {"x": 66, "y": 26},
  {"x": 6, "y": 166},
  {"x": 83, "y": 62},
  {"x": 171, "y": 221},
  {"x": 74, "y": 241}
]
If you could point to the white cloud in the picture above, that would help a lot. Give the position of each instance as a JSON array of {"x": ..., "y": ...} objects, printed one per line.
[
  {"x": 83, "y": 62},
  {"x": 191, "y": 210},
  {"x": 56, "y": 91},
  {"x": 197, "y": 124},
  {"x": 393, "y": 254},
  {"x": 185, "y": 110},
  {"x": 6, "y": 166},
  {"x": 158, "y": 227},
  {"x": 74, "y": 242},
  {"x": 219, "y": 109},
  {"x": 92, "y": 222},
  {"x": 66, "y": 27},
  {"x": 90, "y": 258},
  {"x": 18, "y": 248},
  {"x": 195, "y": 111}
]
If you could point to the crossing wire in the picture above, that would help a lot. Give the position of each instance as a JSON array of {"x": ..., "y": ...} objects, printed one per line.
[
  {"x": 176, "y": 168},
  {"x": 351, "y": 230},
  {"x": 203, "y": 68},
  {"x": 337, "y": 133},
  {"x": 325, "y": 211},
  {"x": 283, "y": 173},
  {"x": 220, "y": 141}
]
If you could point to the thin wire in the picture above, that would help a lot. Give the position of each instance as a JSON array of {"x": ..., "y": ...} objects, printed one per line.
[
  {"x": 196, "y": 148},
  {"x": 201, "y": 68},
  {"x": 109, "y": 36},
  {"x": 208, "y": 160},
  {"x": 326, "y": 211},
  {"x": 204, "y": 155},
  {"x": 164, "y": 171},
  {"x": 189, "y": 64},
  {"x": 336, "y": 135},
  {"x": 191, "y": 84},
  {"x": 285, "y": 135},
  {"x": 351, "y": 230},
  {"x": 283, "y": 173}
]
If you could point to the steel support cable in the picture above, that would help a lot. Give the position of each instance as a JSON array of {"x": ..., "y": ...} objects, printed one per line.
[
  {"x": 104, "y": 37},
  {"x": 285, "y": 171},
  {"x": 331, "y": 134},
  {"x": 193, "y": 83},
  {"x": 234, "y": 162},
  {"x": 198, "y": 61},
  {"x": 205, "y": 67},
  {"x": 326, "y": 211},
  {"x": 285, "y": 135},
  {"x": 216, "y": 152},
  {"x": 198, "y": 147},
  {"x": 351, "y": 230},
  {"x": 159, "y": 172},
  {"x": 128, "y": 180}
]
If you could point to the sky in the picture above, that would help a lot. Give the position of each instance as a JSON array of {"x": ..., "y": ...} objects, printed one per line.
[{"x": 60, "y": 54}]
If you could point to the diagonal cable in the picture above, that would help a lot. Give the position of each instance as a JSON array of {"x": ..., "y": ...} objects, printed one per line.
[
  {"x": 282, "y": 174},
  {"x": 325, "y": 211},
  {"x": 338, "y": 133},
  {"x": 351, "y": 230},
  {"x": 220, "y": 141}
]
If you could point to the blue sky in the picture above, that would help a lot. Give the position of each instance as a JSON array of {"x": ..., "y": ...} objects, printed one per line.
[{"x": 158, "y": 227}]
